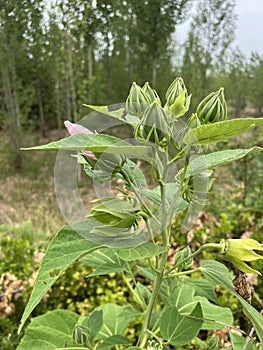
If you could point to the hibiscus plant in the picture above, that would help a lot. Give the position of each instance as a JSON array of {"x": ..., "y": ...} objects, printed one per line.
[{"x": 129, "y": 228}]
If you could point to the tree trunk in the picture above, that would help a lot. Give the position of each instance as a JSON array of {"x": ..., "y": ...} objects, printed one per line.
[
  {"x": 154, "y": 72},
  {"x": 90, "y": 61},
  {"x": 57, "y": 89},
  {"x": 40, "y": 107}
]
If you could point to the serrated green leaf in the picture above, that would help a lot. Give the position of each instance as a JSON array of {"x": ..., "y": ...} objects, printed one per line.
[
  {"x": 142, "y": 251},
  {"x": 51, "y": 331},
  {"x": 64, "y": 249},
  {"x": 177, "y": 329},
  {"x": 213, "y": 159},
  {"x": 113, "y": 340},
  {"x": 220, "y": 131},
  {"x": 113, "y": 322},
  {"x": 217, "y": 273},
  {"x": 97, "y": 143},
  {"x": 105, "y": 261}
]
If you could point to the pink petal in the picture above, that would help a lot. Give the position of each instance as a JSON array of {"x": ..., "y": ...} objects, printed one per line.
[
  {"x": 88, "y": 154},
  {"x": 74, "y": 129}
]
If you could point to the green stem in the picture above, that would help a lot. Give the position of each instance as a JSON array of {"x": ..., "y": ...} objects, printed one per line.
[
  {"x": 138, "y": 300},
  {"x": 165, "y": 232},
  {"x": 144, "y": 333}
]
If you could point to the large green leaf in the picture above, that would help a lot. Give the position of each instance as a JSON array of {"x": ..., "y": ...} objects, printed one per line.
[
  {"x": 105, "y": 261},
  {"x": 64, "y": 249},
  {"x": 217, "y": 273},
  {"x": 177, "y": 329},
  {"x": 115, "y": 319},
  {"x": 145, "y": 250},
  {"x": 97, "y": 143},
  {"x": 182, "y": 296},
  {"x": 217, "y": 158},
  {"x": 201, "y": 287},
  {"x": 50, "y": 331},
  {"x": 220, "y": 131}
]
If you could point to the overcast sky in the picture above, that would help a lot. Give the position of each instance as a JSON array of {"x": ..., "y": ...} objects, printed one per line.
[{"x": 249, "y": 32}]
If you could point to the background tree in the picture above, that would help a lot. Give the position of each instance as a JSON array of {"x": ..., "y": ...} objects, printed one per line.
[{"x": 211, "y": 33}]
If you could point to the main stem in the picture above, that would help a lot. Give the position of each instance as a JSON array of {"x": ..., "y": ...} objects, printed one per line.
[{"x": 165, "y": 232}]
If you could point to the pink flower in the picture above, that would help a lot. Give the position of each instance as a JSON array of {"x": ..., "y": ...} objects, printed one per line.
[{"x": 74, "y": 129}]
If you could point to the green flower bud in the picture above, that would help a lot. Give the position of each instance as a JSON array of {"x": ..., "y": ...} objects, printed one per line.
[
  {"x": 137, "y": 101},
  {"x": 116, "y": 213},
  {"x": 239, "y": 251},
  {"x": 183, "y": 260},
  {"x": 213, "y": 108},
  {"x": 80, "y": 335},
  {"x": 177, "y": 98},
  {"x": 154, "y": 126},
  {"x": 213, "y": 343},
  {"x": 195, "y": 185},
  {"x": 151, "y": 93},
  {"x": 104, "y": 166}
]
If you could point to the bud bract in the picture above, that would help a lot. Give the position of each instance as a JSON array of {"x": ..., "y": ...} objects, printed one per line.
[
  {"x": 104, "y": 166},
  {"x": 154, "y": 126},
  {"x": 177, "y": 98},
  {"x": 116, "y": 213},
  {"x": 195, "y": 187},
  {"x": 239, "y": 251},
  {"x": 80, "y": 335},
  {"x": 183, "y": 259},
  {"x": 213, "y": 108},
  {"x": 193, "y": 122},
  {"x": 151, "y": 93},
  {"x": 137, "y": 101}
]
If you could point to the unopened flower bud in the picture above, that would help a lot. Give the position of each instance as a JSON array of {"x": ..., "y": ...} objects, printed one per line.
[
  {"x": 151, "y": 93},
  {"x": 116, "y": 213},
  {"x": 177, "y": 98},
  {"x": 240, "y": 251},
  {"x": 137, "y": 101},
  {"x": 183, "y": 259},
  {"x": 213, "y": 108},
  {"x": 154, "y": 126},
  {"x": 195, "y": 186},
  {"x": 109, "y": 164},
  {"x": 80, "y": 335}
]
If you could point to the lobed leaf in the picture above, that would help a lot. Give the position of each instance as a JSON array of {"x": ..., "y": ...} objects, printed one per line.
[
  {"x": 64, "y": 249},
  {"x": 217, "y": 273},
  {"x": 178, "y": 329},
  {"x": 97, "y": 143},
  {"x": 51, "y": 331},
  {"x": 113, "y": 321}
]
